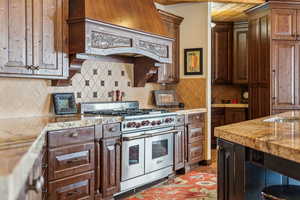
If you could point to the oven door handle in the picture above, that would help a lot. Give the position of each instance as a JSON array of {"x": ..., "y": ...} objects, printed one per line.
[
  {"x": 164, "y": 133},
  {"x": 149, "y": 135},
  {"x": 136, "y": 137}
]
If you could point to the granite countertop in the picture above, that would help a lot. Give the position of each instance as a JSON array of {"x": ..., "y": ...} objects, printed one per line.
[
  {"x": 188, "y": 110},
  {"x": 281, "y": 139},
  {"x": 229, "y": 105},
  {"x": 22, "y": 139}
]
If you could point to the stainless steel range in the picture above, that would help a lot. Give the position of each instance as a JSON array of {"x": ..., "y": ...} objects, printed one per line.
[{"x": 147, "y": 141}]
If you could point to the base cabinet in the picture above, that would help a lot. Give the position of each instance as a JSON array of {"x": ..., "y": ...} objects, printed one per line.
[
  {"x": 231, "y": 170},
  {"x": 195, "y": 132},
  {"x": 225, "y": 116},
  {"x": 111, "y": 166}
]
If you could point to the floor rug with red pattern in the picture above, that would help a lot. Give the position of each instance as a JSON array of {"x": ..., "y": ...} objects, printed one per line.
[{"x": 195, "y": 185}]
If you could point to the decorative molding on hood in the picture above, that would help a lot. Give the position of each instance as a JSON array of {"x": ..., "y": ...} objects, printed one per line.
[{"x": 90, "y": 37}]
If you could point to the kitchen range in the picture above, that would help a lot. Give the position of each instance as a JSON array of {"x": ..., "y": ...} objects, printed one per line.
[{"x": 147, "y": 140}]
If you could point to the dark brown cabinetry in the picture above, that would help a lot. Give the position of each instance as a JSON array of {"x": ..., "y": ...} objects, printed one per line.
[
  {"x": 34, "y": 39},
  {"x": 284, "y": 24},
  {"x": 231, "y": 171},
  {"x": 225, "y": 116},
  {"x": 274, "y": 58},
  {"x": 71, "y": 161},
  {"x": 111, "y": 166},
  {"x": 195, "y": 133},
  {"x": 170, "y": 73},
  {"x": 285, "y": 74},
  {"x": 222, "y": 48},
  {"x": 217, "y": 119},
  {"x": 84, "y": 163},
  {"x": 240, "y": 53}
]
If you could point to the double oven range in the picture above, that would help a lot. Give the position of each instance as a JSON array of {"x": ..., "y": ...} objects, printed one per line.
[{"x": 147, "y": 141}]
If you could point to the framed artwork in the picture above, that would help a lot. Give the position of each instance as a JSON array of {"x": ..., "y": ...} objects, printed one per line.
[
  {"x": 193, "y": 61},
  {"x": 64, "y": 103}
]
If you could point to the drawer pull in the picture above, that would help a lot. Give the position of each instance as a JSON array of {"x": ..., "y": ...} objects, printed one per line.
[
  {"x": 74, "y": 135},
  {"x": 73, "y": 193},
  {"x": 74, "y": 160}
]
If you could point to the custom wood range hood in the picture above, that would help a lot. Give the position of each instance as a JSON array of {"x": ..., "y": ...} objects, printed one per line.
[{"x": 117, "y": 30}]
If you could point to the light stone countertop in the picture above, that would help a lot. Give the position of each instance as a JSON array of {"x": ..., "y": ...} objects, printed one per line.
[
  {"x": 281, "y": 139},
  {"x": 184, "y": 111},
  {"x": 22, "y": 140},
  {"x": 229, "y": 105}
]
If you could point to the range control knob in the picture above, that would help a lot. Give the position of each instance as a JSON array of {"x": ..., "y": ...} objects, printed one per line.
[
  {"x": 131, "y": 124},
  {"x": 138, "y": 125},
  {"x": 158, "y": 122},
  {"x": 168, "y": 120},
  {"x": 145, "y": 123},
  {"x": 153, "y": 123}
]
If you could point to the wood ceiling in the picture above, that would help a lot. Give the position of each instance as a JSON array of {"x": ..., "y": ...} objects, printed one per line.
[
  {"x": 223, "y": 10},
  {"x": 169, "y": 2}
]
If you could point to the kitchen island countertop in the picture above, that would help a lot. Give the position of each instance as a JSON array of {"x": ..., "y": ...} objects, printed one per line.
[{"x": 280, "y": 139}]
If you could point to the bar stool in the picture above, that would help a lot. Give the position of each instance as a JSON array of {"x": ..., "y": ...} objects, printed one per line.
[{"x": 281, "y": 192}]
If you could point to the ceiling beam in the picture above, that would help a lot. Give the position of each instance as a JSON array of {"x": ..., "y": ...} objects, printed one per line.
[{"x": 169, "y": 2}]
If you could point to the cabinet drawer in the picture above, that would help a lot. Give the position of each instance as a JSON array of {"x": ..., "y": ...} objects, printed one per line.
[
  {"x": 72, "y": 188},
  {"x": 111, "y": 130},
  {"x": 67, "y": 161},
  {"x": 70, "y": 136},
  {"x": 195, "y": 152},
  {"x": 195, "y": 134}
]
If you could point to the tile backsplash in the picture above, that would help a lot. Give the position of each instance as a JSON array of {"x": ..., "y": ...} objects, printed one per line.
[{"x": 31, "y": 97}]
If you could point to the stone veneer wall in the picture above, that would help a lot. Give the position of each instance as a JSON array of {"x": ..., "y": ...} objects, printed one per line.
[{"x": 31, "y": 97}]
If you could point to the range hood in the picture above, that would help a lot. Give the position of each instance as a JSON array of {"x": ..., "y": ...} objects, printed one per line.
[{"x": 130, "y": 28}]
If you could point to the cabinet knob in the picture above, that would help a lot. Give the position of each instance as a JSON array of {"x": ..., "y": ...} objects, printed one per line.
[{"x": 37, "y": 184}]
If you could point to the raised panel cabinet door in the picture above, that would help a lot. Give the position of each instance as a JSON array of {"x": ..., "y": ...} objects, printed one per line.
[
  {"x": 222, "y": 53},
  {"x": 284, "y": 24},
  {"x": 240, "y": 66},
  {"x": 231, "y": 171},
  {"x": 172, "y": 24},
  {"x": 50, "y": 38},
  {"x": 179, "y": 149},
  {"x": 235, "y": 115},
  {"x": 218, "y": 119},
  {"x": 285, "y": 74},
  {"x": 110, "y": 166},
  {"x": 16, "y": 37}
]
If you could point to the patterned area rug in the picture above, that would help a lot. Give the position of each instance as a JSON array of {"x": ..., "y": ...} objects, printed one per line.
[{"x": 195, "y": 185}]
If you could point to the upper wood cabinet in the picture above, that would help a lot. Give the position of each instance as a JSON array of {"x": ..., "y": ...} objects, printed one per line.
[
  {"x": 284, "y": 24},
  {"x": 240, "y": 53},
  {"x": 33, "y": 39},
  {"x": 285, "y": 74},
  {"x": 170, "y": 73},
  {"x": 222, "y": 40}
]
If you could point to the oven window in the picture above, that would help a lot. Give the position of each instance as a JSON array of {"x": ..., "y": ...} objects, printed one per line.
[
  {"x": 159, "y": 148},
  {"x": 134, "y": 155}
]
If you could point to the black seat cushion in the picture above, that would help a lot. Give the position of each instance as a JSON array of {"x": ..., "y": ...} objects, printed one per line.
[{"x": 281, "y": 192}]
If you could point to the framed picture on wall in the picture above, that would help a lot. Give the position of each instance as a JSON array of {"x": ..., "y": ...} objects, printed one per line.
[{"x": 193, "y": 61}]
